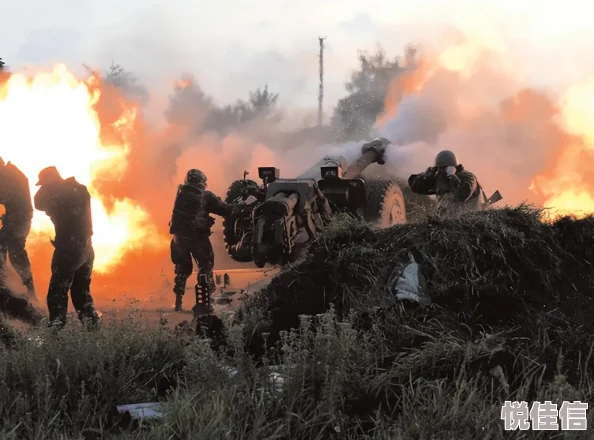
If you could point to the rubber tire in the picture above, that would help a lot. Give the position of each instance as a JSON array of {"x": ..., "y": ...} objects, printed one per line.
[
  {"x": 382, "y": 197},
  {"x": 236, "y": 189}
]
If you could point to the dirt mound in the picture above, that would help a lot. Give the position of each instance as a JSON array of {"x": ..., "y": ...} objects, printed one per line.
[
  {"x": 495, "y": 266},
  {"x": 507, "y": 272}
]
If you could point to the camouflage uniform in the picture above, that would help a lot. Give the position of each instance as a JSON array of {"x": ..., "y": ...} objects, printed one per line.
[
  {"x": 457, "y": 190},
  {"x": 16, "y": 223},
  {"x": 191, "y": 229},
  {"x": 68, "y": 204}
]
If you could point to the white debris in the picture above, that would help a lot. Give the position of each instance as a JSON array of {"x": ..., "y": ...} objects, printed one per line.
[
  {"x": 497, "y": 373},
  {"x": 142, "y": 411},
  {"x": 411, "y": 284}
]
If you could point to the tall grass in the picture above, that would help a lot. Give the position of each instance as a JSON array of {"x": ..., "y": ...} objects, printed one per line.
[{"x": 339, "y": 382}]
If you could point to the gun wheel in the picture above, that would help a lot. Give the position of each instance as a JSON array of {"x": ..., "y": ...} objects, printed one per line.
[
  {"x": 385, "y": 204},
  {"x": 233, "y": 231}
]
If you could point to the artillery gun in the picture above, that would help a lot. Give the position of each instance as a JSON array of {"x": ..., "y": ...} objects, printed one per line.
[{"x": 286, "y": 214}]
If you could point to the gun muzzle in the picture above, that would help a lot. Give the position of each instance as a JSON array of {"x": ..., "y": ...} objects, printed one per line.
[{"x": 371, "y": 152}]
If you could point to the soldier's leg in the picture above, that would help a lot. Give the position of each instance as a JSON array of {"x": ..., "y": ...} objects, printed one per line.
[
  {"x": 181, "y": 257},
  {"x": 20, "y": 259},
  {"x": 3, "y": 253},
  {"x": 63, "y": 268},
  {"x": 18, "y": 307},
  {"x": 204, "y": 256},
  {"x": 81, "y": 291}
]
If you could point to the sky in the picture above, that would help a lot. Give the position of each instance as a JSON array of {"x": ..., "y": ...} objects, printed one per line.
[{"x": 232, "y": 48}]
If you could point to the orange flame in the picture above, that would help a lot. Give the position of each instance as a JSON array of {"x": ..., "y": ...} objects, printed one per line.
[
  {"x": 568, "y": 185},
  {"x": 52, "y": 119},
  {"x": 461, "y": 57}
]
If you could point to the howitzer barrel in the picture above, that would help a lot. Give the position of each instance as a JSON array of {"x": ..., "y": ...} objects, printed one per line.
[{"x": 371, "y": 152}]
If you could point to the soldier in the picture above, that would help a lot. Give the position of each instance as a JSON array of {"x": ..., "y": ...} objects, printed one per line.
[
  {"x": 457, "y": 190},
  {"x": 15, "y": 195},
  {"x": 191, "y": 228},
  {"x": 68, "y": 205}
]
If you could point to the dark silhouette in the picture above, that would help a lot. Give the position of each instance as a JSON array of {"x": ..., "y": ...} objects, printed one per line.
[{"x": 68, "y": 205}]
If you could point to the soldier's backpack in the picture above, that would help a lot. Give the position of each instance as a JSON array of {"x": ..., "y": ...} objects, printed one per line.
[{"x": 186, "y": 208}]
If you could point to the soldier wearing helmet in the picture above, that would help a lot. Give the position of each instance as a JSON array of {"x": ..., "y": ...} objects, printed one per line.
[
  {"x": 15, "y": 195},
  {"x": 190, "y": 226},
  {"x": 457, "y": 189},
  {"x": 68, "y": 205}
]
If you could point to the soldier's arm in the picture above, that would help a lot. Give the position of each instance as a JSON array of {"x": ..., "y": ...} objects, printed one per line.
[
  {"x": 215, "y": 205},
  {"x": 3, "y": 193},
  {"x": 423, "y": 183},
  {"x": 464, "y": 185}
]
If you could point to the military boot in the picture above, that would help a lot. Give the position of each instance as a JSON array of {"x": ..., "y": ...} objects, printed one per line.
[
  {"x": 90, "y": 318},
  {"x": 178, "y": 303},
  {"x": 31, "y": 294},
  {"x": 34, "y": 315}
]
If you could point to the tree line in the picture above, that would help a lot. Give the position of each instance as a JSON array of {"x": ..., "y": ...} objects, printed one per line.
[{"x": 353, "y": 116}]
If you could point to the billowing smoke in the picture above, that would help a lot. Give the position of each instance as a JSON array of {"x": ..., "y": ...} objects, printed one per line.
[{"x": 500, "y": 130}]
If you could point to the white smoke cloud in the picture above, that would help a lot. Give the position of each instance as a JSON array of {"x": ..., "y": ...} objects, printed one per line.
[{"x": 233, "y": 46}]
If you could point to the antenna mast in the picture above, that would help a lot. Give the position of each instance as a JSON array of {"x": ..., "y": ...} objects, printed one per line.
[{"x": 321, "y": 94}]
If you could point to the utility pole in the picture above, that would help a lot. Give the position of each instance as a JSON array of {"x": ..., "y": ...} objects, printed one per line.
[{"x": 321, "y": 94}]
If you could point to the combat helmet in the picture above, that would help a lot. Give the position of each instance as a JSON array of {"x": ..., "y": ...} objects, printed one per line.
[
  {"x": 446, "y": 158},
  {"x": 48, "y": 175},
  {"x": 196, "y": 177}
]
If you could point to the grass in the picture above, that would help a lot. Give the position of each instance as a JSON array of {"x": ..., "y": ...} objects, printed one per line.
[
  {"x": 340, "y": 382},
  {"x": 352, "y": 372}
]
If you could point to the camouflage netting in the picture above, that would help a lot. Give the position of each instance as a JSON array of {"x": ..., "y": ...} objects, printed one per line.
[
  {"x": 501, "y": 272},
  {"x": 492, "y": 267}
]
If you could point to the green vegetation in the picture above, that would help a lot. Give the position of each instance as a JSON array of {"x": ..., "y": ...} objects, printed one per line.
[
  {"x": 353, "y": 117},
  {"x": 509, "y": 290}
]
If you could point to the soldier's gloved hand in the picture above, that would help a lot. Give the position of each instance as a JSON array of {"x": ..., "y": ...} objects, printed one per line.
[
  {"x": 451, "y": 174},
  {"x": 430, "y": 171}
]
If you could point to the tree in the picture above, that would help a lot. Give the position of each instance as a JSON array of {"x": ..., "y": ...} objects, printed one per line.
[
  {"x": 356, "y": 113},
  {"x": 191, "y": 107},
  {"x": 262, "y": 101},
  {"x": 128, "y": 83},
  {"x": 188, "y": 104},
  {"x": 260, "y": 104}
]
